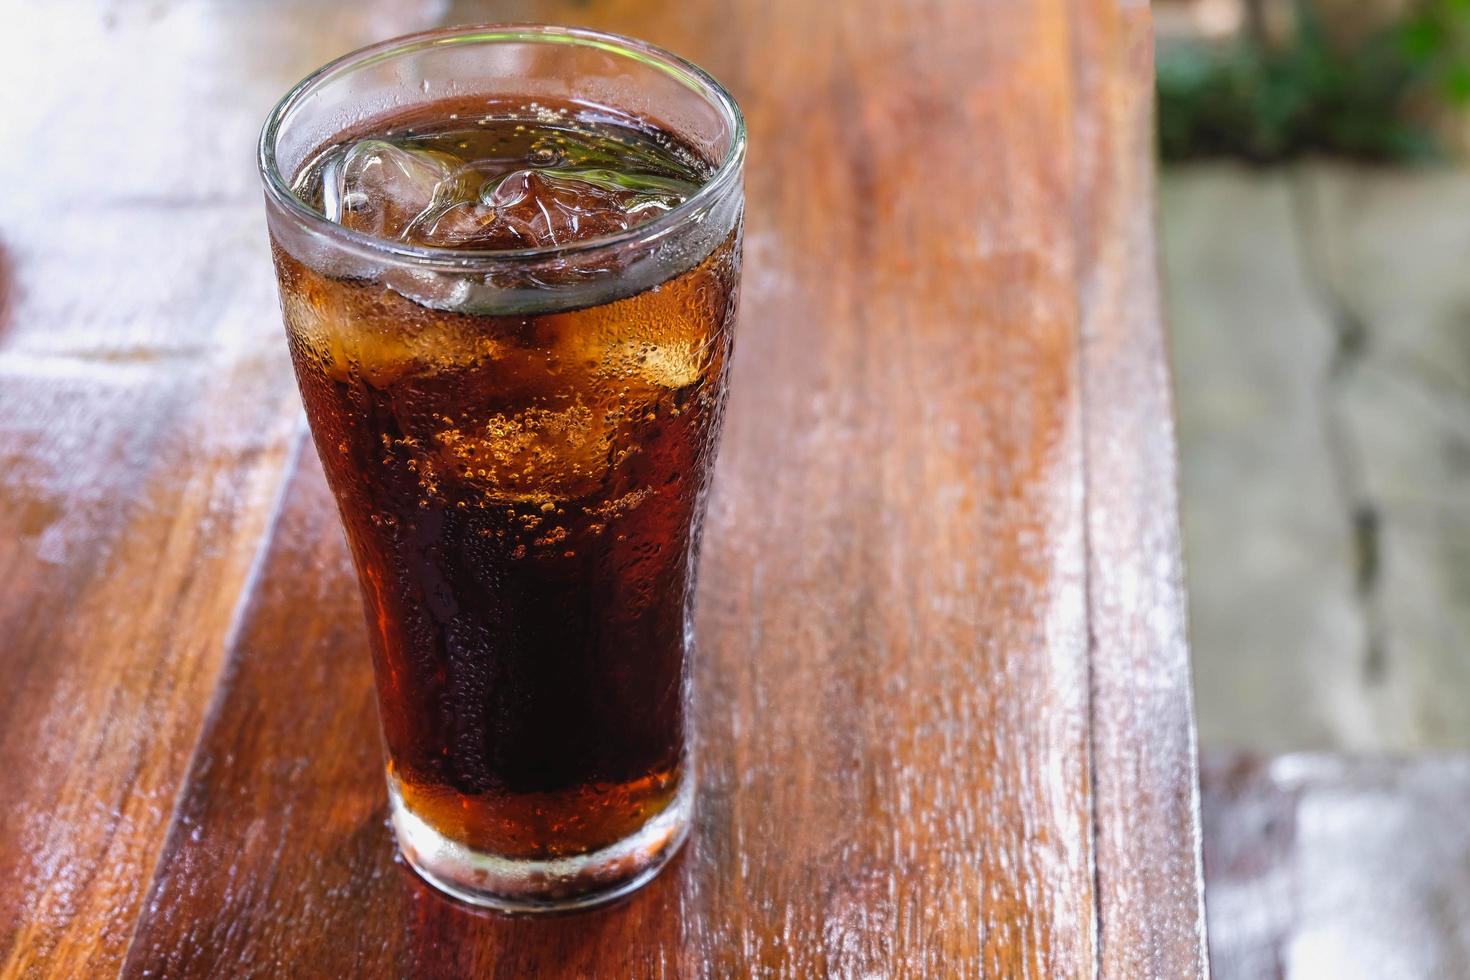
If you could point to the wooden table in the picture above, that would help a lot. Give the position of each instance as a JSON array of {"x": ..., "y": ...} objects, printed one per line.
[{"x": 942, "y": 682}]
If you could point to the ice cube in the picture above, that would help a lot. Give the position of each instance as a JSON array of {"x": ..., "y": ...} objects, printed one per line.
[
  {"x": 422, "y": 197},
  {"x": 533, "y": 455},
  {"x": 379, "y": 338},
  {"x": 649, "y": 344},
  {"x": 671, "y": 365},
  {"x": 538, "y": 207},
  {"x": 430, "y": 197}
]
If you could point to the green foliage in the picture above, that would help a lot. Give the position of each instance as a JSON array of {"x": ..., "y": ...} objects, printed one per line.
[
  {"x": 1268, "y": 104},
  {"x": 1436, "y": 40}
]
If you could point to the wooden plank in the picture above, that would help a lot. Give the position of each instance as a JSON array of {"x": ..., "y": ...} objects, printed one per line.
[
  {"x": 893, "y": 677},
  {"x": 144, "y": 407},
  {"x": 1150, "y": 902}
]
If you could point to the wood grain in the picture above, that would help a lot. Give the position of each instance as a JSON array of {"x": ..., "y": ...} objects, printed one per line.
[
  {"x": 145, "y": 404},
  {"x": 1145, "y": 785},
  {"x": 938, "y": 734}
]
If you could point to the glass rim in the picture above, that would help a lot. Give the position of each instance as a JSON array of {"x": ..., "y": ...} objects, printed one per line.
[{"x": 691, "y": 75}]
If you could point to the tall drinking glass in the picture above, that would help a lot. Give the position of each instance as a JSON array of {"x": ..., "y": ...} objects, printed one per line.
[{"x": 508, "y": 260}]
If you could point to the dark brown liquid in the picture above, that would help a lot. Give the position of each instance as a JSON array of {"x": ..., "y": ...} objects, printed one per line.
[{"x": 522, "y": 496}]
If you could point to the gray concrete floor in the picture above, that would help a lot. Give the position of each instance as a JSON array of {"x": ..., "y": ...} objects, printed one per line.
[{"x": 1321, "y": 326}]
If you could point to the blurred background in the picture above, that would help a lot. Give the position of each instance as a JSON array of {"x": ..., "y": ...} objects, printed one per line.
[{"x": 1314, "y": 204}]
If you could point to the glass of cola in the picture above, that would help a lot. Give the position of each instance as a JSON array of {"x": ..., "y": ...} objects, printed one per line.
[{"x": 508, "y": 260}]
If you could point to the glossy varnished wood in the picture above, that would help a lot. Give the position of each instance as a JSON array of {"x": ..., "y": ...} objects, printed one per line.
[
  {"x": 1151, "y": 920},
  {"x": 942, "y": 694},
  {"x": 144, "y": 414}
]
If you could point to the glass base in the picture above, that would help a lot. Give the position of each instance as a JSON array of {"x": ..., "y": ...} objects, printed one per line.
[{"x": 555, "y": 885}]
